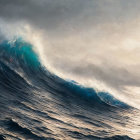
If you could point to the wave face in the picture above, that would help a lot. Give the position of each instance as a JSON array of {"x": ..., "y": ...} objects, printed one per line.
[{"x": 36, "y": 104}]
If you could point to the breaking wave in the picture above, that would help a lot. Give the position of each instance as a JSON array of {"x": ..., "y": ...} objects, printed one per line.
[{"x": 18, "y": 57}]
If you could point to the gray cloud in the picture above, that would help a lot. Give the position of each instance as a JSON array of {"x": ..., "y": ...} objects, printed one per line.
[
  {"x": 63, "y": 14},
  {"x": 45, "y": 14},
  {"x": 1, "y": 37}
]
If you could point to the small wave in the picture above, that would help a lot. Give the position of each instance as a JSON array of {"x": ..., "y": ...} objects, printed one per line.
[
  {"x": 78, "y": 135},
  {"x": 13, "y": 126},
  {"x": 118, "y": 137},
  {"x": 2, "y": 137}
]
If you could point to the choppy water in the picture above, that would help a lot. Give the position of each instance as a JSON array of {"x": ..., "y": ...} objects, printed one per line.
[{"x": 38, "y": 105}]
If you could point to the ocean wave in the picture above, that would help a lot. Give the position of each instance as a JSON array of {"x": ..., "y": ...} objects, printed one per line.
[{"x": 20, "y": 56}]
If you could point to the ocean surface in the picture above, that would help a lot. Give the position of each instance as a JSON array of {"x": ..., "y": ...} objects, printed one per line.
[{"x": 36, "y": 104}]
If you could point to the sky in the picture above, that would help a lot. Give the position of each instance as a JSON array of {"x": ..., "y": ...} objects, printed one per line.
[{"x": 94, "y": 42}]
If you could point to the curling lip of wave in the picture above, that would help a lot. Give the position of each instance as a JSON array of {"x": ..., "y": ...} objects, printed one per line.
[{"x": 20, "y": 55}]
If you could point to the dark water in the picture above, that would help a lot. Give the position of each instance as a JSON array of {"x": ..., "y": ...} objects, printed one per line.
[{"x": 37, "y": 105}]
